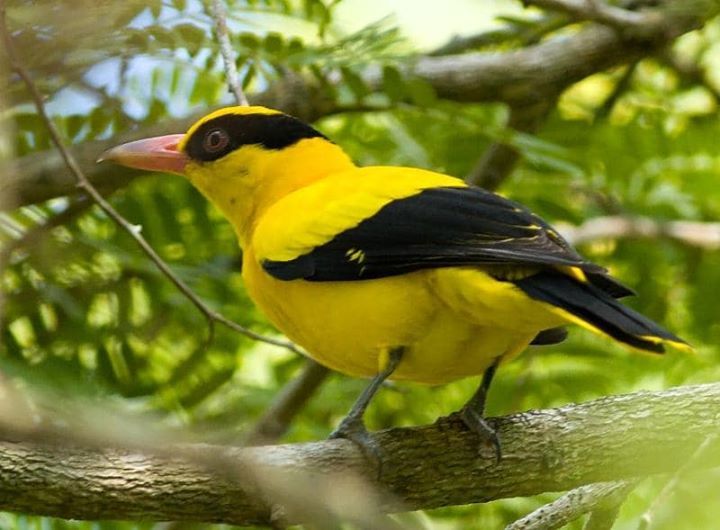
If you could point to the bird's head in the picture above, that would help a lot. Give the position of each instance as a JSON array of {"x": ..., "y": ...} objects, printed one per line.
[{"x": 242, "y": 158}]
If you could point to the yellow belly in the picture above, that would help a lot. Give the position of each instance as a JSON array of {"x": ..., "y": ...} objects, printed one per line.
[{"x": 346, "y": 325}]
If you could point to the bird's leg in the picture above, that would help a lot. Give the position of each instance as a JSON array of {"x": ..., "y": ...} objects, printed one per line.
[
  {"x": 352, "y": 427},
  {"x": 472, "y": 413}
]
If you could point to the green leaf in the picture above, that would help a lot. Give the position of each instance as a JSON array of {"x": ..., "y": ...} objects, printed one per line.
[
  {"x": 249, "y": 41},
  {"x": 73, "y": 125},
  {"x": 274, "y": 43},
  {"x": 165, "y": 38},
  {"x": 393, "y": 83},
  {"x": 421, "y": 92},
  {"x": 249, "y": 76},
  {"x": 355, "y": 83},
  {"x": 99, "y": 120},
  {"x": 155, "y": 8},
  {"x": 191, "y": 37}
]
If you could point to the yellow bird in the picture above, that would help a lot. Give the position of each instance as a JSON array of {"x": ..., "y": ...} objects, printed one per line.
[{"x": 389, "y": 272}]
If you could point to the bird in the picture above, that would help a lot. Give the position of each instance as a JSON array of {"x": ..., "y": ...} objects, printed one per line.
[{"x": 388, "y": 272}]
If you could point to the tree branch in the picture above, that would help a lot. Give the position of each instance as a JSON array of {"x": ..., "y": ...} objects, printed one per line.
[
  {"x": 217, "y": 10},
  {"x": 276, "y": 420},
  {"x": 691, "y": 233},
  {"x": 527, "y": 33},
  {"x": 499, "y": 159},
  {"x": 521, "y": 77},
  {"x": 630, "y": 23},
  {"x": 572, "y": 505},
  {"x": 614, "y": 438},
  {"x": 604, "y": 516},
  {"x": 689, "y": 464},
  {"x": 618, "y": 90}
]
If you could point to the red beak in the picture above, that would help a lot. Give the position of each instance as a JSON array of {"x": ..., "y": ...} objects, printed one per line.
[{"x": 152, "y": 154}]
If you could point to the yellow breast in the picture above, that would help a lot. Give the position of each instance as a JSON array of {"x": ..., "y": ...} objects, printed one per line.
[
  {"x": 343, "y": 325},
  {"x": 346, "y": 325}
]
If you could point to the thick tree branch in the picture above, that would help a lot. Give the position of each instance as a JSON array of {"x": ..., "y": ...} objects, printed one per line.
[
  {"x": 613, "y": 438},
  {"x": 519, "y": 78}
]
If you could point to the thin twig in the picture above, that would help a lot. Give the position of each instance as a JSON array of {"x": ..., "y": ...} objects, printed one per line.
[
  {"x": 84, "y": 184},
  {"x": 526, "y": 34},
  {"x": 604, "y": 517},
  {"x": 499, "y": 159},
  {"x": 630, "y": 23},
  {"x": 573, "y": 505},
  {"x": 221, "y": 32},
  {"x": 661, "y": 500},
  {"x": 620, "y": 88},
  {"x": 276, "y": 420},
  {"x": 691, "y": 233},
  {"x": 605, "y": 514}
]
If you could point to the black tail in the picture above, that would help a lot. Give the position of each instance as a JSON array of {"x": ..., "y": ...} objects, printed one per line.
[{"x": 599, "y": 310}]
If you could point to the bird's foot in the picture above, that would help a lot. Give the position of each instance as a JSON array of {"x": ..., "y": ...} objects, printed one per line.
[
  {"x": 353, "y": 428},
  {"x": 477, "y": 423}
]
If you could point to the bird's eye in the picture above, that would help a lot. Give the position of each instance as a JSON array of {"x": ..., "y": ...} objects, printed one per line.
[{"x": 215, "y": 140}]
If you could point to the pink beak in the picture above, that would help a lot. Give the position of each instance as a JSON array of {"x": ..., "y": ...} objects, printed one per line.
[{"x": 152, "y": 154}]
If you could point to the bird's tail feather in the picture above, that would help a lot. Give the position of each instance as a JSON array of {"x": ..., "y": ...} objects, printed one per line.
[{"x": 592, "y": 308}]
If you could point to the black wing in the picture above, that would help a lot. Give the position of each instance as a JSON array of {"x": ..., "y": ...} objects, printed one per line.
[{"x": 440, "y": 227}]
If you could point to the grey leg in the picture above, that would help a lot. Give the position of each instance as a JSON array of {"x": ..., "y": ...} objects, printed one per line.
[
  {"x": 352, "y": 427},
  {"x": 473, "y": 412}
]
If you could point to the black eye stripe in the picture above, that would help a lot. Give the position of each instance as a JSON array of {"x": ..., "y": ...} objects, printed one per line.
[{"x": 269, "y": 131}]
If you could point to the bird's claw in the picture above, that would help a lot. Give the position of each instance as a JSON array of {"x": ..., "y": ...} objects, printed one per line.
[
  {"x": 354, "y": 429},
  {"x": 475, "y": 422}
]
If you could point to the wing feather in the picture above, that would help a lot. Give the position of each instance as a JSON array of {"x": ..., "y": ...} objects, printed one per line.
[{"x": 435, "y": 227}]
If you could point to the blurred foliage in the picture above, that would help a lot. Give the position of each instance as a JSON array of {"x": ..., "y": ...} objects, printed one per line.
[{"x": 86, "y": 313}]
